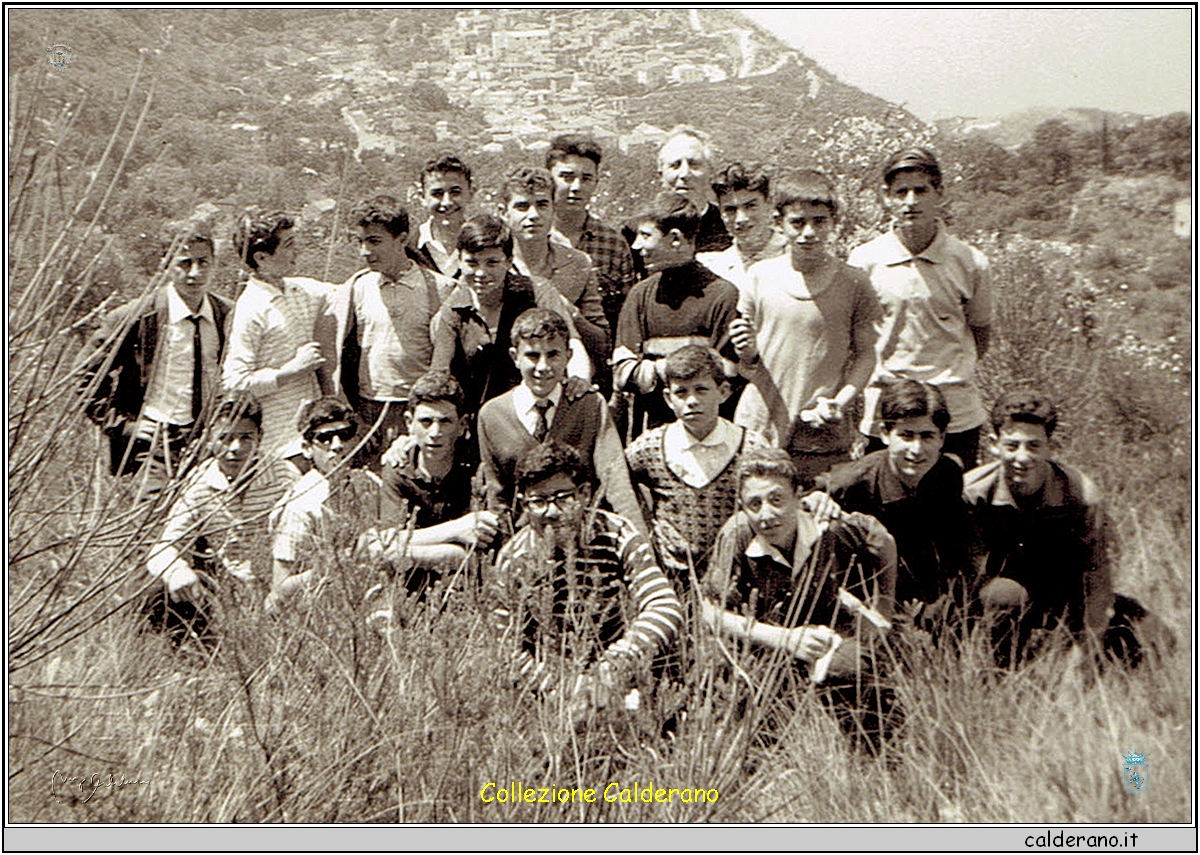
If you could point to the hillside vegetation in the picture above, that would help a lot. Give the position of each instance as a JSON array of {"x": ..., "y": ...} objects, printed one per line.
[{"x": 319, "y": 718}]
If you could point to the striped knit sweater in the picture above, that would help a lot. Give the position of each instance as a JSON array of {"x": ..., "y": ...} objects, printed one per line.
[
  {"x": 685, "y": 518},
  {"x": 611, "y": 602}
]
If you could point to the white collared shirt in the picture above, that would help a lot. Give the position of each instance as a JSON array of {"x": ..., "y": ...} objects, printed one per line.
[
  {"x": 392, "y": 317},
  {"x": 807, "y": 532},
  {"x": 698, "y": 461},
  {"x": 448, "y": 261},
  {"x": 523, "y": 403},
  {"x": 169, "y": 392}
]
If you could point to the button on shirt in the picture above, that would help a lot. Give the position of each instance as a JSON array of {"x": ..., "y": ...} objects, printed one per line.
[
  {"x": 930, "y": 302},
  {"x": 698, "y": 461},
  {"x": 393, "y": 330},
  {"x": 269, "y": 325},
  {"x": 527, "y": 411},
  {"x": 448, "y": 261},
  {"x": 169, "y": 393}
]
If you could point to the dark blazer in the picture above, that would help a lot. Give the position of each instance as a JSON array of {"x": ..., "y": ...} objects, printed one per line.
[{"x": 132, "y": 329}]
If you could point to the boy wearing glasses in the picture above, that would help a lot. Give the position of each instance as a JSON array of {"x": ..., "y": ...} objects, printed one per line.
[
  {"x": 302, "y": 522},
  {"x": 540, "y": 408},
  {"x": 577, "y": 590}
]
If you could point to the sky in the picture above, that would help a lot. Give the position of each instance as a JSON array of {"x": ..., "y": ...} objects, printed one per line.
[{"x": 990, "y": 62}]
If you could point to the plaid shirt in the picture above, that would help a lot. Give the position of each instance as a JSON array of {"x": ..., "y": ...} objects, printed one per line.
[{"x": 612, "y": 259}]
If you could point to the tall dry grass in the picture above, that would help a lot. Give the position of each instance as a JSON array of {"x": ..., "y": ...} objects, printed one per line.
[{"x": 315, "y": 717}]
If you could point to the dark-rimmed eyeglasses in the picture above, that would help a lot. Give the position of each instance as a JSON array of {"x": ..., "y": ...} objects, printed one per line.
[{"x": 561, "y": 499}]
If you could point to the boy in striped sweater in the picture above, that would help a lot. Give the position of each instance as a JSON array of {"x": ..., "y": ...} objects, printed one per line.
[{"x": 577, "y": 590}]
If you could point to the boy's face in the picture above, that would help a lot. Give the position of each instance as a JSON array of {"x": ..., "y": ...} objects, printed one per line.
[
  {"x": 329, "y": 445},
  {"x": 684, "y": 168},
  {"x": 661, "y": 251},
  {"x": 382, "y": 252},
  {"x": 556, "y": 506},
  {"x": 575, "y": 180},
  {"x": 542, "y": 362},
  {"x": 696, "y": 402},
  {"x": 445, "y": 195},
  {"x": 529, "y": 213},
  {"x": 485, "y": 271},
  {"x": 747, "y": 217},
  {"x": 914, "y": 444},
  {"x": 911, "y": 198},
  {"x": 283, "y": 261},
  {"x": 1023, "y": 450},
  {"x": 235, "y": 442},
  {"x": 808, "y": 228},
  {"x": 772, "y": 505},
  {"x": 191, "y": 270},
  {"x": 436, "y": 427}
]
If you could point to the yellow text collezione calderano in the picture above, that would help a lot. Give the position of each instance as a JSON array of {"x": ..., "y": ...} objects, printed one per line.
[{"x": 516, "y": 792}]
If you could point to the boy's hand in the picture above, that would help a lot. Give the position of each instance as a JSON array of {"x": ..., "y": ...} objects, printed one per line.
[
  {"x": 307, "y": 356},
  {"x": 826, "y": 412},
  {"x": 576, "y": 387},
  {"x": 810, "y": 643},
  {"x": 399, "y": 450},
  {"x": 477, "y": 529},
  {"x": 745, "y": 339},
  {"x": 821, "y": 507}
]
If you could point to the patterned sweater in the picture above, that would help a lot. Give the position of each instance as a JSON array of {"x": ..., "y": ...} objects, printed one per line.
[
  {"x": 610, "y": 601},
  {"x": 686, "y": 518}
]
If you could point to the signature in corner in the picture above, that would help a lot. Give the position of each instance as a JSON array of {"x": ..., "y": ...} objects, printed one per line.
[{"x": 62, "y": 783}]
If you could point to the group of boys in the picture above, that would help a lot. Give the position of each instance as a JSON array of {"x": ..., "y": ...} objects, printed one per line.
[{"x": 458, "y": 365}]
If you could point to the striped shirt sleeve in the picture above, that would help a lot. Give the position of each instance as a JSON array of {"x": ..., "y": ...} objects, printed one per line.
[{"x": 659, "y": 613}]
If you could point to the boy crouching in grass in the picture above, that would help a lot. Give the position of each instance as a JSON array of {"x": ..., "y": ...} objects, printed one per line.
[
  {"x": 303, "y": 522},
  {"x": 215, "y": 524},
  {"x": 686, "y": 470},
  {"x": 429, "y": 490},
  {"x": 822, "y": 595},
  {"x": 577, "y": 591}
]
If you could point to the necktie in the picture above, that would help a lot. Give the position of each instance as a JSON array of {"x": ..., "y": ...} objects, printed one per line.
[
  {"x": 197, "y": 370},
  {"x": 542, "y": 427}
]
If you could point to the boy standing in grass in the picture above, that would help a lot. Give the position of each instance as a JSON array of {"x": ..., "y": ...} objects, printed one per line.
[
  {"x": 471, "y": 330},
  {"x": 744, "y": 200},
  {"x": 916, "y": 492},
  {"x": 806, "y": 334},
  {"x": 680, "y": 302},
  {"x": 539, "y": 408},
  {"x": 577, "y": 590},
  {"x": 166, "y": 368},
  {"x": 686, "y": 469},
  {"x": 445, "y": 192},
  {"x": 527, "y": 206},
  {"x": 574, "y": 163},
  {"x": 821, "y": 594},
  {"x": 937, "y": 301},
  {"x": 387, "y": 344},
  {"x": 272, "y": 352}
]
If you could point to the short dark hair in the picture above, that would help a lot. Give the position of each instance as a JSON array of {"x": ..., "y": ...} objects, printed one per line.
[
  {"x": 446, "y": 162},
  {"x": 259, "y": 231},
  {"x": 671, "y": 211},
  {"x": 1028, "y": 406},
  {"x": 527, "y": 180},
  {"x": 767, "y": 463},
  {"x": 483, "y": 231},
  {"x": 323, "y": 411},
  {"x": 241, "y": 405},
  {"x": 386, "y": 211},
  {"x": 433, "y": 386},
  {"x": 692, "y": 361},
  {"x": 910, "y": 399},
  {"x": 917, "y": 158},
  {"x": 565, "y": 145},
  {"x": 546, "y": 460},
  {"x": 808, "y": 186},
  {"x": 736, "y": 177},
  {"x": 539, "y": 323}
]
